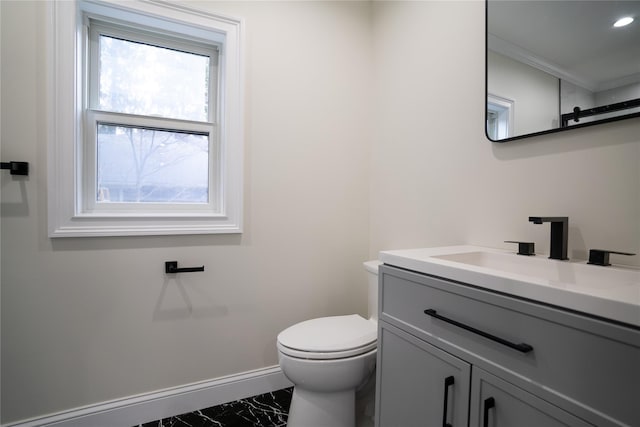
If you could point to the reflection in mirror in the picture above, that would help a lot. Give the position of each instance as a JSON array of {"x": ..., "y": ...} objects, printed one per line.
[
  {"x": 554, "y": 65},
  {"x": 499, "y": 117}
]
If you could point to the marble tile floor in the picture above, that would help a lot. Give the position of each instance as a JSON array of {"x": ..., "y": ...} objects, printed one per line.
[{"x": 265, "y": 410}]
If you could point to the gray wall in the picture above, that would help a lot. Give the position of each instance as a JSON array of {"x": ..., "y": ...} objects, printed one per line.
[{"x": 364, "y": 126}]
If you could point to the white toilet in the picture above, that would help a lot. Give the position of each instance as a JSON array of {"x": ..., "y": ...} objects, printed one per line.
[{"x": 328, "y": 359}]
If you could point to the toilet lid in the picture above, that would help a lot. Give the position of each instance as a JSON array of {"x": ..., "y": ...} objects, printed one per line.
[{"x": 330, "y": 334}]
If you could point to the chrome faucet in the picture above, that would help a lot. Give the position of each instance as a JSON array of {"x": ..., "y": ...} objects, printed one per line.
[{"x": 559, "y": 234}]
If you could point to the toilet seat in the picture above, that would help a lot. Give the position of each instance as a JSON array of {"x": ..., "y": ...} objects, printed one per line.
[
  {"x": 328, "y": 338},
  {"x": 329, "y": 355}
]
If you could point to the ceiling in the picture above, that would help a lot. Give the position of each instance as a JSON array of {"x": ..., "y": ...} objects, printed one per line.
[{"x": 576, "y": 37}]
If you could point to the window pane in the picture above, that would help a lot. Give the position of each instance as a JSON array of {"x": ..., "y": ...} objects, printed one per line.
[
  {"x": 138, "y": 78},
  {"x": 137, "y": 165}
]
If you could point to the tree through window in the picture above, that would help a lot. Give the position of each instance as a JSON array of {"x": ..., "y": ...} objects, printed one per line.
[{"x": 143, "y": 76}]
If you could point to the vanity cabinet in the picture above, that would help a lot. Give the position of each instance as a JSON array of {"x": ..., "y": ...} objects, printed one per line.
[
  {"x": 479, "y": 358},
  {"x": 423, "y": 385}
]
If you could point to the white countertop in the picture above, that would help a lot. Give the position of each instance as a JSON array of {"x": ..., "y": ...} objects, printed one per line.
[{"x": 611, "y": 292}]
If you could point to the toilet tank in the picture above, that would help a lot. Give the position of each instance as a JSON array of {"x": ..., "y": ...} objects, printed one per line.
[{"x": 371, "y": 267}]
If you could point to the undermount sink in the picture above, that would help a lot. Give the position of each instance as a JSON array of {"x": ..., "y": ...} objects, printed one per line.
[{"x": 609, "y": 292}]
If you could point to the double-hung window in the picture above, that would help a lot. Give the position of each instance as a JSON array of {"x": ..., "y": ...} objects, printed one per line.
[
  {"x": 156, "y": 128},
  {"x": 150, "y": 135}
]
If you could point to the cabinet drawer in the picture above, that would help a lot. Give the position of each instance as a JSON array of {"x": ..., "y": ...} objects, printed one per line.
[{"x": 574, "y": 357}]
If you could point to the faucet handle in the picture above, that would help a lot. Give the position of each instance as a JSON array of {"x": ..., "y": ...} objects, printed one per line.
[
  {"x": 601, "y": 256},
  {"x": 524, "y": 248}
]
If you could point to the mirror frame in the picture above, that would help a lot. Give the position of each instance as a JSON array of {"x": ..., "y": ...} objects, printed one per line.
[{"x": 543, "y": 132}]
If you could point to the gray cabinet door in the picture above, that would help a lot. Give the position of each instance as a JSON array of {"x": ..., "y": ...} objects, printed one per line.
[
  {"x": 413, "y": 379},
  {"x": 497, "y": 403}
]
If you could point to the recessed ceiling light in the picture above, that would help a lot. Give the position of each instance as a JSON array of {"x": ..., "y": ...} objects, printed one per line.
[{"x": 623, "y": 21}]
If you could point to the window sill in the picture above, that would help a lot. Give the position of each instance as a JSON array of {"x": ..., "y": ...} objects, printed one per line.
[{"x": 83, "y": 227}]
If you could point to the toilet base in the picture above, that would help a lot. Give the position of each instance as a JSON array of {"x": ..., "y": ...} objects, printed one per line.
[{"x": 318, "y": 409}]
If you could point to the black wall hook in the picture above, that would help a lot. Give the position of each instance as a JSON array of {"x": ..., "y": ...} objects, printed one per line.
[{"x": 171, "y": 267}]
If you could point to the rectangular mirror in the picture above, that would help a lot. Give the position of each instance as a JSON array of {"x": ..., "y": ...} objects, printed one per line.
[{"x": 557, "y": 65}]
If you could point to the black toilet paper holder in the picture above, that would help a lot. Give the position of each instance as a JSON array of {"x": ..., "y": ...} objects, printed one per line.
[{"x": 171, "y": 267}]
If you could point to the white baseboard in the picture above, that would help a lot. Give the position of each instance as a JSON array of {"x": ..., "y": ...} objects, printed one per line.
[{"x": 147, "y": 407}]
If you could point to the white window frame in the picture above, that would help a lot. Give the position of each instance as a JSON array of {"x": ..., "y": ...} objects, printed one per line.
[
  {"x": 69, "y": 214},
  {"x": 93, "y": 115}
]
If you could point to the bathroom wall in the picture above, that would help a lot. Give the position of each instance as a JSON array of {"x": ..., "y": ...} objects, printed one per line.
[
  {"x": 364, "y": 131},
  {"x": 92, "y": 319},
  {"x": 435, "y": 178},
  {"x": 619, "y": 94},
  {"x": 572, "y": 95}
]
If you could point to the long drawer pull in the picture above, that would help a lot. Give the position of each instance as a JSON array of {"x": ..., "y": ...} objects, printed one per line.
[
  {"x": 489, "y": 403},
  {"x": 522, "y": 347}
]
